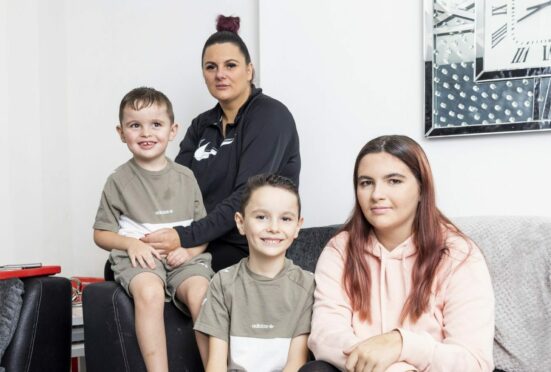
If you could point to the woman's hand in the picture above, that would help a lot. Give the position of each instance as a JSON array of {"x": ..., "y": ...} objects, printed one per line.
[
  {"x": 163, "y": 240},
  {"x": 375, "y": 354}
]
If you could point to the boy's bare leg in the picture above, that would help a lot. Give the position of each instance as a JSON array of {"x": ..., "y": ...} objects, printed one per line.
[
  {"x": 149, "y": 302},
  {"x": 191, "y": 292}
]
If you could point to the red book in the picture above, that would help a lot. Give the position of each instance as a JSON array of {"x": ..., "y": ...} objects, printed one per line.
[{"x": 25, "y": 273}]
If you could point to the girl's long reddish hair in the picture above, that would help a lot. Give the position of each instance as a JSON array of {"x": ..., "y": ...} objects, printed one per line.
[{"x": 428, "y": 235}]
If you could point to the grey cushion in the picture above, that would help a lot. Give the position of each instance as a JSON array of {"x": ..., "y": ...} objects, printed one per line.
[
  {"x": 518, "y": 253},
  {"x": 11, "y": 295},
  {"x": 307, "y": 247}
]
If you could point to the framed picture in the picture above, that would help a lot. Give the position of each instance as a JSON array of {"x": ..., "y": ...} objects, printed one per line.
[{"x": 487, "y": 66}]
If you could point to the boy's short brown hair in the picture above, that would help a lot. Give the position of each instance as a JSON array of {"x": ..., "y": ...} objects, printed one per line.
[
  {"x": 143, "y": 97},
  {"x": 267, "y": 179}
]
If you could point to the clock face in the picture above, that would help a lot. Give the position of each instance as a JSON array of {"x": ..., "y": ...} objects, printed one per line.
[
  {"x": 516, "y": 37},
  {"x": 512, "y": 97},
  {"x": 531, "y": 25}
]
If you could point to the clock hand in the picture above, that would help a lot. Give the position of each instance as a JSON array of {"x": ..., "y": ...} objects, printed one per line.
[
  {"x": 547, "y": 3},
  {"x": 534, "y": 9}
]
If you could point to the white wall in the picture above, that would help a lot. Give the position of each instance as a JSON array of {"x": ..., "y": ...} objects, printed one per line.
[
  {"x": 64, "y": 67},
  {"x": 353, "y": 70},
  {"x": 348, "y": 71}
]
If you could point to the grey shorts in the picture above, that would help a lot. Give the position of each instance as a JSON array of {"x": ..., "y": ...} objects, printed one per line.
[{"x": 199, "y": 265}]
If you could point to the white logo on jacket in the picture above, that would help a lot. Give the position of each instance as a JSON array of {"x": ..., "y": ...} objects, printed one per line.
[{"x": 202, "y": 153}]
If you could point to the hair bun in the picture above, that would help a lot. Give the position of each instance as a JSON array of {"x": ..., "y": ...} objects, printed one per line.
[{"x": 230, "y": 24}]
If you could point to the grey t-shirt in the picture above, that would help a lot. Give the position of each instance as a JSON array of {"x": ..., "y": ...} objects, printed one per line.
[
  {"x": 136, "y": 201},
  {"x": 256, "y": 315}
]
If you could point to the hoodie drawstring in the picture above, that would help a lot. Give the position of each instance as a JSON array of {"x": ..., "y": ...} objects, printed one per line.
[{"x": 382, "y": 289}]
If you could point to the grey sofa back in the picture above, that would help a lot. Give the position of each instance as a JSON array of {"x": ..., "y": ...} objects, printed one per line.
[
  {"x": 518, "y": 253},
  {"x": 307, "y": 247}
]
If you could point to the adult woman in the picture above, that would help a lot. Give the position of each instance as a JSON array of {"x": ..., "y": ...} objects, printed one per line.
[
  {"x": 245, "y": 134},
  {"x": 400, "y": 288}
]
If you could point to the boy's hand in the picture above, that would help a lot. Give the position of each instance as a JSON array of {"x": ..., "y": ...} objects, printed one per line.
[
  {"x": 177, "y": 257},
  {"x": 141, "y": 253},
  {"x": 194, "y": 251},
  {"x": 163, "y": 240}
]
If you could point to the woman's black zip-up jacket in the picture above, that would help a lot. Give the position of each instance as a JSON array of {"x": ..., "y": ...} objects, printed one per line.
[{"x": 263, "y": 139}]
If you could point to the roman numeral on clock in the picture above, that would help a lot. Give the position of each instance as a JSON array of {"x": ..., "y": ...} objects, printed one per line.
[
  {"x": 521, "y": 55},
  {"x": 499, "y": 35},
  {"x": 497, "y": 10},
  {"x": 546, "y": 52}
]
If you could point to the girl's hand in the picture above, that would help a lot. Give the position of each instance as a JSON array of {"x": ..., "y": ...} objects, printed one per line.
[
  {"x": 375, "y": 354},
  {"x": 177, "y": 257},
  {"x": 142, "y": 254}
]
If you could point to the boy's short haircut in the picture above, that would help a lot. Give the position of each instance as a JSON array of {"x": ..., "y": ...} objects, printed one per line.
[
  {"x": 274, "y": 180},
  {"x": 143, "y": 97}
]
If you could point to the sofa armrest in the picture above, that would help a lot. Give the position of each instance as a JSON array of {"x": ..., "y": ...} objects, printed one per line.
[
  {"x": 110, "y": 336},
  {"x": 42, "y": 340}
]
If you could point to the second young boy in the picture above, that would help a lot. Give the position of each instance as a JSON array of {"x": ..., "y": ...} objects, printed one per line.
[{"x": 257, "y": 312}]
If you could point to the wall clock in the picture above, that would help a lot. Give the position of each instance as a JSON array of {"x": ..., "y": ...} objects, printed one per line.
[{"x": 487, "y": 66}]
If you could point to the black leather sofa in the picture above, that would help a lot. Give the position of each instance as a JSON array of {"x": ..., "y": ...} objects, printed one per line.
[
  {"x": 110, "y": 337},
  {"x": 42, "y": 340}
]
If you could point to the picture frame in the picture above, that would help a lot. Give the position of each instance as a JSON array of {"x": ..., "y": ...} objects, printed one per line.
[{"x": 463, "y": 96}]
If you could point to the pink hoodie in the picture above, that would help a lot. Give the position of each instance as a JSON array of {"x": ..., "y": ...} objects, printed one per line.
[{"x": 455, "y": 334}]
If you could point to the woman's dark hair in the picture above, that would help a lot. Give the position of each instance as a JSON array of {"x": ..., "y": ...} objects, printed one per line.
[
  {"x": 428, "y": 234},
  {"x": 273, "y": 180},
  {"x": 227, "y": 28}
]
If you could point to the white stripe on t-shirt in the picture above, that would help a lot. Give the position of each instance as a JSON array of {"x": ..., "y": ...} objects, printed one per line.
[
  {"x": 253, "y": 354},
  {"x": 133, "y": 229}
]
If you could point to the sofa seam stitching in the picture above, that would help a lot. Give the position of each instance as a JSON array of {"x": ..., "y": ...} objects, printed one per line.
[
  {"x": 119, "y": 331},
  {"x": 34, "y": 328}
]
